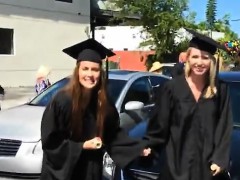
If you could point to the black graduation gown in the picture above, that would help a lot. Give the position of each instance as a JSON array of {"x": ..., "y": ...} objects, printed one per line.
[
  {"x": 194, "y": 134},
  {"x": 65, "y": 159}
]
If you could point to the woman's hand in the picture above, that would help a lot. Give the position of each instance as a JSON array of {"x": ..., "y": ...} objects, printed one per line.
[
  {"x": 215, "y": 169},
  {"x": 95, "y": 143},
  {"x": 146, "y": 152}
]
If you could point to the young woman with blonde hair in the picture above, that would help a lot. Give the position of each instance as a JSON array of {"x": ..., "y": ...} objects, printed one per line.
[{"x": 193, "y": 118}]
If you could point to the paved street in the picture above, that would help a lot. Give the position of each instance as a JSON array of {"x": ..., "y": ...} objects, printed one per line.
[{"x": 16, "y": 96}]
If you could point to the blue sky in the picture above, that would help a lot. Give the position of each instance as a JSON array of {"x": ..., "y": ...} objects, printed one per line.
[{"x": 231, "y": 7}]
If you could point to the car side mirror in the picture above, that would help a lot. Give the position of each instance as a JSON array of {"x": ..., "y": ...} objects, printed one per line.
[{"x": 133, "y": 105}]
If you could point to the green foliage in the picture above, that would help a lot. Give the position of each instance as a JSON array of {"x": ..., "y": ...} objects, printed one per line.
[
  {"x": 211, "y": 13},
  {"x": 160, "y": 18}
]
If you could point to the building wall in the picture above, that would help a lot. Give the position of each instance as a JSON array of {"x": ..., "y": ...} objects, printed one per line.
[
  {"x": 182, "y": 35},
  {"x": 42, "y": 28},
  {"x": 82, "y": 6},
  {"x": 131, "y": 60},
  {"x": 121, "y": 38},
  {"x": 125, "y": 41}
]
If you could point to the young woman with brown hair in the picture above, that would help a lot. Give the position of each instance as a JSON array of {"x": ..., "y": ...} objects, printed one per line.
[{"x": 81, "y": 123}]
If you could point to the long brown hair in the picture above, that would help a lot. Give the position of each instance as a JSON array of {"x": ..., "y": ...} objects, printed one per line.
[{"x": 75, "y": 90}]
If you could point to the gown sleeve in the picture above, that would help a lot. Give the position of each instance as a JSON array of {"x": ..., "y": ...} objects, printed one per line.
[
  {"x": 159, "y": 125},
  {"x": 60, "y": 153},
  {"x": 121, "y": 148},
  {"x": 223, "y": 131}
]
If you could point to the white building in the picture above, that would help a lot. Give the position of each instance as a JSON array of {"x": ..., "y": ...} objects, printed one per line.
[
  {"x": 122, "y": 38},
  {"x": 34, "y": 32},
  {"x": 182, "y": 34}
]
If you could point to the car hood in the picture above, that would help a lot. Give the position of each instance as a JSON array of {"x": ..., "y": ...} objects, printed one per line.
[{"x": 21, "y": 123}]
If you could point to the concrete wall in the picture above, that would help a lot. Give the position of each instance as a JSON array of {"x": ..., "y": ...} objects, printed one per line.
[{"x": 42, "y": 28}]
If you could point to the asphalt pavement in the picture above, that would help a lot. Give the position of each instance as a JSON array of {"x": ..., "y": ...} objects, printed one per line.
[{"x": 15, "y": 96}]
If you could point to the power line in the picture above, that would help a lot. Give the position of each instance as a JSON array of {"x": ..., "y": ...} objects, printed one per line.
[{"x": 235, "y": 20}]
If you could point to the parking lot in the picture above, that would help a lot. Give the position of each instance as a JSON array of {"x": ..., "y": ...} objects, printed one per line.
[{"x": 16, "y": 96}]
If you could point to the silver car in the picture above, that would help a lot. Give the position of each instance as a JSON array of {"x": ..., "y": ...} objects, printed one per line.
[{"x": 20, "y": 138}]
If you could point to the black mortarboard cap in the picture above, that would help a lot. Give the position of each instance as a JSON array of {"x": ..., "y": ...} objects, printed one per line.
[
  {"x": 204, "y": 43},
  {"x": 88, "y": 50}
]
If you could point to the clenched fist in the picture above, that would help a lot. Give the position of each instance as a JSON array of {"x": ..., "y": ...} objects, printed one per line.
[
  {"x": 215, "y": 169},
  {"x": 95, "y": 143}
]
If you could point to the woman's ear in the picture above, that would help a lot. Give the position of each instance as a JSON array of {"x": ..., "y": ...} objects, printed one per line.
[{"x": 187, "y": 68}]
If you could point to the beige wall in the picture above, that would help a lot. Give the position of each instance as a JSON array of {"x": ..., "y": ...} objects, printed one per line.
[
  {"x": 39, "y": 37},
  {"x": 78, "y": 6}
]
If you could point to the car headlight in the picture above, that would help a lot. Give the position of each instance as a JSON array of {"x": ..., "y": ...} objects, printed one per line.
[
  {"x": 108, "y": 166},
  {"x": 38, "y": 148}
]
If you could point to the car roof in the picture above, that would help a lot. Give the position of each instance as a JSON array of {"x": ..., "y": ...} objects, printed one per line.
[
  {"x": 128, "y": 74},
  {"x": 230, "y": 76},
  {"x": 168, "y": 64}
]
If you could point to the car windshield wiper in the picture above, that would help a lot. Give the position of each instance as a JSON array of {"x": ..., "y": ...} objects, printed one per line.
[{"x": 30, "y": 104}]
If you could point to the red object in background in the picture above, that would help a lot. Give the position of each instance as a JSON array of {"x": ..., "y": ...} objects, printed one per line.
[
  {"x": 182, "y": 57},
  {"x": 131, "y": 60}
]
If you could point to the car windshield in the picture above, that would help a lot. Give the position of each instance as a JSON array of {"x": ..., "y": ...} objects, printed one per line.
[
  {"x": 235, "y": 100},
  {"x": 114, "y": 88}
]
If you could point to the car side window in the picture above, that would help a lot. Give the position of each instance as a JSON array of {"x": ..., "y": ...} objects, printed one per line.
[
  {"x": 140, "y": 90},
  {"x": 156, "y": 82}
]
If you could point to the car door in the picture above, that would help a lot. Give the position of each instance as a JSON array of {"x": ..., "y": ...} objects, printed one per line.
[
  {"x": 234, "y": 89},
  {"x": 143, "y": 168},
  {"x": 156, "y": 82},
  {"x": 140, "y": 90}
]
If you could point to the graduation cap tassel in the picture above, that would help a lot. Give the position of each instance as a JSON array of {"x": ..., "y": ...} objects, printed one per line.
[
  {"x": 217, "y": 70},
  {"x": 218, "y": 62},
  {"x": 217, "y": 80},
  {"x": 106, "y": 67}
]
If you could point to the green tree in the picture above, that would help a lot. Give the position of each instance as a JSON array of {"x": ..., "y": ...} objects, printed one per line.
[
  {"x": 211, "y": 13},
  {"x": 160, "y": 18},
  {"x": 202, "y": 25}
]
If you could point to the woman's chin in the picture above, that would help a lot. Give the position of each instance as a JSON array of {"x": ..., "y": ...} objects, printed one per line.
[
  {"x": 89, "y": 86},
  {"x": 199, "y": 73}
]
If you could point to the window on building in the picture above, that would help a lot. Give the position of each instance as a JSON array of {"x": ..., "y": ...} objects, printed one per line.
[
  {"x": 6, "y": 39},
  {"x": 67, "y": 1}
]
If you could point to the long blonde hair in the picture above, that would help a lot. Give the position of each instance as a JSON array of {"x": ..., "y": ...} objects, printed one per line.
[{"x": 210, "y": 79}]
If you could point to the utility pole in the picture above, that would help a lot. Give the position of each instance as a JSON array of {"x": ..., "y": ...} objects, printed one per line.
[
  {"x": 92, "y": 19},
  {"x": 93, "y": 25}
]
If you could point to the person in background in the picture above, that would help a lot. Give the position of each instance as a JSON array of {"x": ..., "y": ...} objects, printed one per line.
[
  {"x": 178, "y": 68},
  {"x": 237, "y": 63},
  {"x": 42, "y": 80},
  {"x": 156, "y": 68},
  {"x": 193, "y": 122},
  {"x": 81, "y": 122},
  {"x": 182, "y": 57}
]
